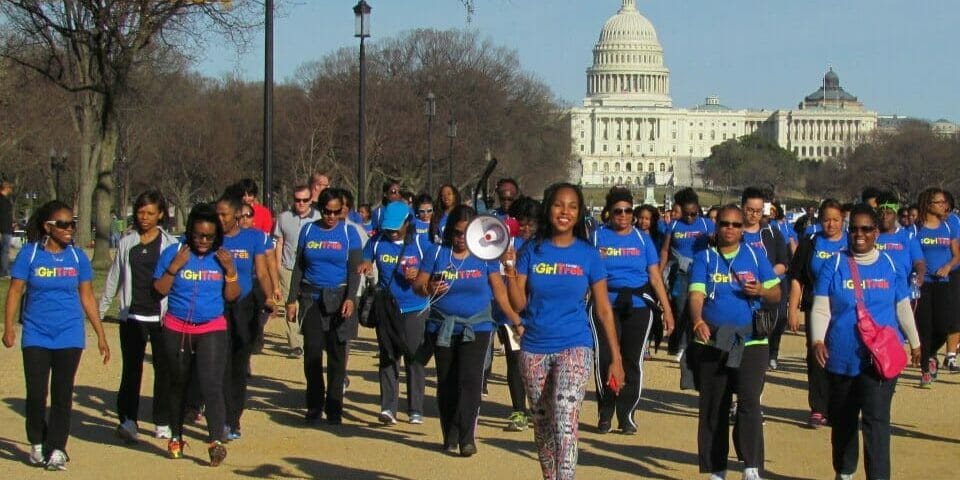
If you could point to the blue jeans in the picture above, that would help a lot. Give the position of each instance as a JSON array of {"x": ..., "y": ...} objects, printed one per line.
[{"x": 5, "y": 254}]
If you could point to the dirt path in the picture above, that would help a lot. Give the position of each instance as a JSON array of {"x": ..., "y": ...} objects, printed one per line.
[{"x": 276, "y": 443}]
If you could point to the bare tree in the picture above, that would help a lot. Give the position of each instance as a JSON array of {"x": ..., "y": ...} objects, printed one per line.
[{"x": 91, "y": 48}]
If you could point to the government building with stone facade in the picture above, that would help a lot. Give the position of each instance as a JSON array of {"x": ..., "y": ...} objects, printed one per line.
[{"x": 628, "y": 133}]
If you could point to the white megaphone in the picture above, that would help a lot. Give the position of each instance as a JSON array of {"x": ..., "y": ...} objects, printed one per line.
[{"x": 487, "y": 237}]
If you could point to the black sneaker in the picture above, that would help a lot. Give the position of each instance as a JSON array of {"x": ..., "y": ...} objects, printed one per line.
[
  {"x": 628, "y": 430},
  {"x": 604, "y": 426},
  {"x": 312, "y": 416},
  {"x": 468, "y": 450}
]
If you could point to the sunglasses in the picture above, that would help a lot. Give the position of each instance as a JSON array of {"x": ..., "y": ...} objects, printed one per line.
[
  {"x": 246, "y": 215},
  {"x": 301, "y": 200},
  {"x": 391, "y": 232},
  {"x": 394, "y": 191},
  {"x": 622, "y": 211},
  {"x": 690, "y": 214},
  {"x": 327, "y": 212},
  {"x": 424, "y": 211},
  {"x": 63, "y": 224},
  {"x": 726, "y": 224},
  {"x": 204, "y": 236},
  {"x": 861, "y": 228}
]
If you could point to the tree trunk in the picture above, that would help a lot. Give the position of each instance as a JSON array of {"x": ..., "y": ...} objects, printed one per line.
[{"x": 99, "y": 135}]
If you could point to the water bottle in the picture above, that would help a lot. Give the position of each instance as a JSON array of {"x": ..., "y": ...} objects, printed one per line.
[{"x": 914, "y": 287}]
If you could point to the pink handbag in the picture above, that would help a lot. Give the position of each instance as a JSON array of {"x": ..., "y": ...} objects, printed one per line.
[{"x": 886, "y": 349}]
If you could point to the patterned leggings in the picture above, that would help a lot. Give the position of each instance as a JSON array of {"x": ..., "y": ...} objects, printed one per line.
[{"x": 555, "y": 384}]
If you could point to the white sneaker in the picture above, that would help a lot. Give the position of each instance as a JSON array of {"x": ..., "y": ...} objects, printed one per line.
[
  {"x": 386, "y": 417},
  {"x": 718, "y": 475},
  {"x": 163, "y": 431},
  {"x": 844, "y": 476},
  {"x": 58, "y": 460},
  {"x": 36, "y": 454},
  {"x": 128, "y": 431},
  {"x": 751, "y": 474}
]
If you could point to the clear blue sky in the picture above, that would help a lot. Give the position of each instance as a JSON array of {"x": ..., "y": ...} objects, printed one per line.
[{"x": 896, "y": 56}]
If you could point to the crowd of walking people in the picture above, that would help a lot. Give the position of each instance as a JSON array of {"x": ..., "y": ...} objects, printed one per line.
[{"x": 573, "y": 299}]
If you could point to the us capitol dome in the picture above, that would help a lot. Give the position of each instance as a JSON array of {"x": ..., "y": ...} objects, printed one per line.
[{"x": 628, "y": 133}]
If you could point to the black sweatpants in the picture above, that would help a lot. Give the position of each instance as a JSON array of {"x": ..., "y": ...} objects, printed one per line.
[
  {"x": 134, "y": 336},
  {"x": 717, "y": 385},
  {"x": 316, "y": 341},
  {"x": 518, "y": 397},
  {"x": 935, "y": 312},
  {"x": 851, "y": 397},
  {"x": 203, "y": 355},
  {"x": 414, "y": 354},
  {"x": 459, "y": 382},
  {"x": 242, "y": 330},
  {"x": 633, "y": 330},
  {"x": 818, "y": 388},
  {"x": 52, "y": 370}
]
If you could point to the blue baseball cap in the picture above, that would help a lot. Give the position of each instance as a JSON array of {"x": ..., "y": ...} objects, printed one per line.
[{"x": 394, "y": 214}]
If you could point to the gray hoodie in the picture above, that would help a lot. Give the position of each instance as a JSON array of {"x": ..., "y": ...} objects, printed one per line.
[{"x": 121, "y": 278}]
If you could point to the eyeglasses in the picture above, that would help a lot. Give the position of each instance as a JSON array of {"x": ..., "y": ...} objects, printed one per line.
[
  {"x": 301, "y": 200},
  {"x": 246, "y": 215},
  {"x": 753, "y": 211},
  {"x": 726, "y": 224},
  {"x": 394, "y": 191},
  {"x": 622, "y": 211},
  {"x": 424, "y": 211},
  {"x": 63, "y": 224},
  {"x": 204, "y": 236},
  {"x": 864, "y": 229}
]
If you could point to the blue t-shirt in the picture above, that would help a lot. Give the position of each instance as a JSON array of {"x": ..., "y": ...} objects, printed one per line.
[
  {"x": 935, "y": 243},
  {"x": 690, "y": 239},
  {"x": 326, "y": 252},
  {"x": 197, "y": 292},
  {"x": 883, "y": 287},
  {"x": 823, "y": 250},
  {"x": 626, "y": 258},
  {"x": 954, "y": 221},
  {"x": 787, "y": 231},
  {"x": 52, "y": 314},
  {"x": 720, "y": 280},
  {"x": 422, "y": 231},
  {"x": 244, "y": 246},
  {"x": 558, "y": 279},
  {"x": 469, "y": 282},
  {"x": 903, "y": 249},
  {"x": 811, "y": 229},
  {"x": 387, "y": 255}
]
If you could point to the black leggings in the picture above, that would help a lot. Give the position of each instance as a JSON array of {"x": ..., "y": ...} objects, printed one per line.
[
  {"x": 633, "y": 330},
  {"x": 205, "y": 355},
  {"x": 935, "y": 312},
  {"x": 53, "y": 369},
  {"x": 717, "y": 385},
  {"x": 518, "y": 397},
  {"x": 242, "y": 330},
  {"x": 459, "y": 381},
  {"x": 134, "y": 336},
  {"x": 818, "y": 389}
]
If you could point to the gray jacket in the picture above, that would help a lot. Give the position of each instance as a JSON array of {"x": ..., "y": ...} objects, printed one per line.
[{"x": 121, "y": 278}]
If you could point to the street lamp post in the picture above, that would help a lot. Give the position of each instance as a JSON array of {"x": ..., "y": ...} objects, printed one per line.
[
  {"x": 430, "y": 110},
  {"x": 57, "y": 164},
  {"x": 451, "y": 134},
  {"x": 268, "y": 105},
  {"x": 361, "y": 13}
]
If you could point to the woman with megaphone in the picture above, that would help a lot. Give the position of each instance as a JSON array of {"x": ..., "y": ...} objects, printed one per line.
[
  {"x": 460, "y": 286},
  {"x": 635, "y": 288},
  {"x": 548, "y": 281}
]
